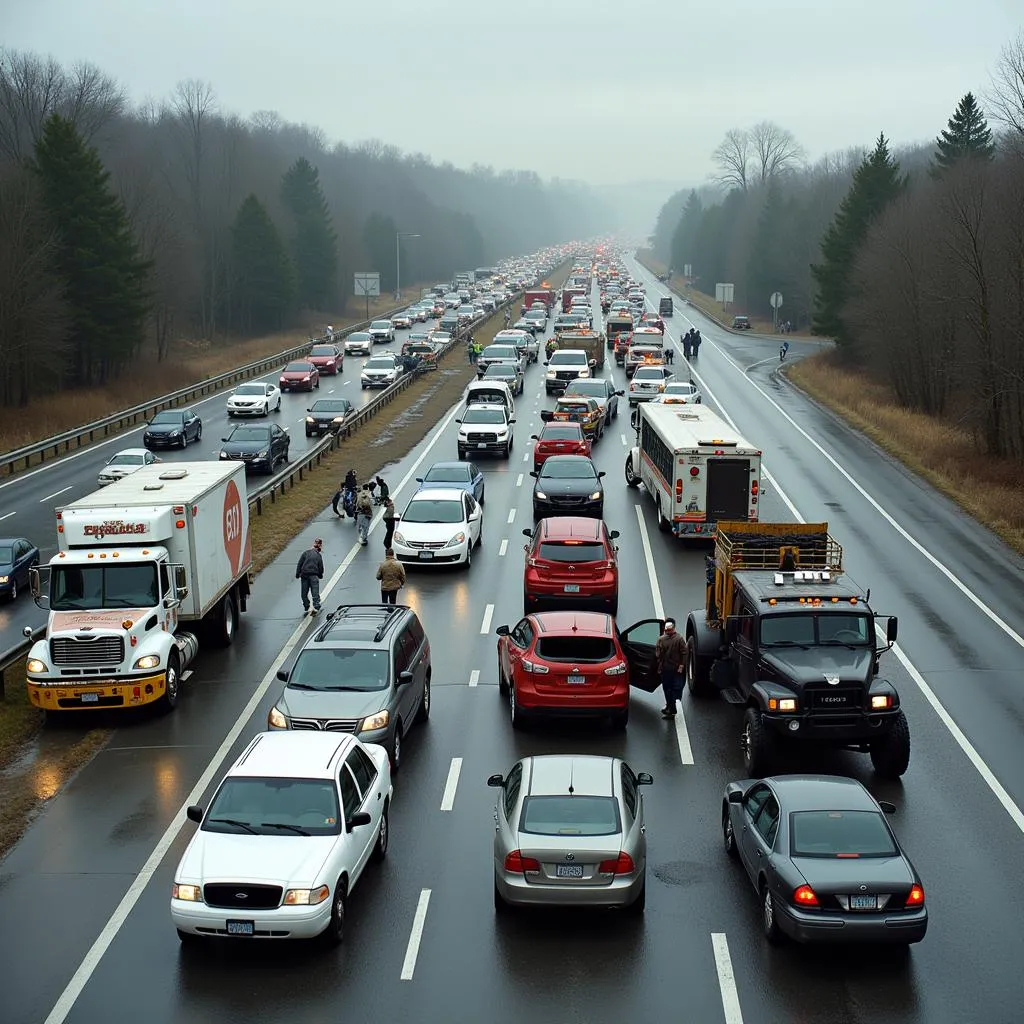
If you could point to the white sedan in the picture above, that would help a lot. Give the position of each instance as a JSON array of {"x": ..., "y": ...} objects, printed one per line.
[
  {"x": 124, "y": 463},
  {"x": 284, "y": 840},
  {"x": 440, "y": 526},
  {"x": 254, "y": 399}
]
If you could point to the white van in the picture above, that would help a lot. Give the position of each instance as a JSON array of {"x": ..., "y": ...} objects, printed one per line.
[{"x": 491, "y": 392}]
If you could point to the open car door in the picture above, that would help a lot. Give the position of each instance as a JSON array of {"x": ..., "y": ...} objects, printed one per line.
[{"x": 638, "y": 645}]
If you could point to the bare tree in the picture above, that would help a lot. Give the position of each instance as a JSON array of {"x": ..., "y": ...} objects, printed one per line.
[
  {"x": 1005, "y": 98},
  {"x": 267, "y": 121},
  {"x": 733, "y": 159},
  {"x": 775, "y": 150},
  {"x": 90, "y": 99}
]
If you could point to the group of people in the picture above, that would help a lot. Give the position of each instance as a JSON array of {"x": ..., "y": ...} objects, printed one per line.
[
  {"x": 691, "y": 343},
  {"x": 473, "y": 349}
]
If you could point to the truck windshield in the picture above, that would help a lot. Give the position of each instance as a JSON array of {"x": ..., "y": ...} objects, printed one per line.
[
  {"x": 812, "y": 630},
  {"x": 92, "y": 587}
]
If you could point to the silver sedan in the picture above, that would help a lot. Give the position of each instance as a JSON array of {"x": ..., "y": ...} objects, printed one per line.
[{"x": 569, "y": 830}]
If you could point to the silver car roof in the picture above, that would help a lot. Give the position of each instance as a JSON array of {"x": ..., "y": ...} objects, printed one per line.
[{"x": 587, "y": 774}]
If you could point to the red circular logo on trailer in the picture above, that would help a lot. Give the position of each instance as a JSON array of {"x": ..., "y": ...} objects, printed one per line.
[{"x": 233, "y": 525}]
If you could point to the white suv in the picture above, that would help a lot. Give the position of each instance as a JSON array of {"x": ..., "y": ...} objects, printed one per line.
[
  {"x": 485, "y": 429},
  {"x": 380, "y": 372},
  {"x": 285, "y": 839},
  {"x": 382, "y": 331}
]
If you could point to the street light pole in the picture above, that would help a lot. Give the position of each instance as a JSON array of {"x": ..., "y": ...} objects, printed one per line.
[{"x": 398, "y": 262}]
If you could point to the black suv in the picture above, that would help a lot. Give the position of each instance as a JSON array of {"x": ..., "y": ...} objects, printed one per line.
[{"x": 366, "y": 670}]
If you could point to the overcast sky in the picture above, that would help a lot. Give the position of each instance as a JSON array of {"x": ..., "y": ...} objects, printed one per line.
[{"x": 597, "y": 90}]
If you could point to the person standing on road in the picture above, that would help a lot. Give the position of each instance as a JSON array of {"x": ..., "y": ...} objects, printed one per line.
[
  {"x": 670, "y": 354},
  {"x": 310, "y": 571},
  {"x": 687, "y": 343},
  {"x": 670, "y": 658},
  {"x": 508, "y": 318},
  {"x": 364, "y": 512},
  {"x": 471, "y": 350},
  {"x": 391, "y": 574},
  {"x": 389, "y": 522},
  {"x": 696, "y": 344},
  {"x": 783, "y": 351}
]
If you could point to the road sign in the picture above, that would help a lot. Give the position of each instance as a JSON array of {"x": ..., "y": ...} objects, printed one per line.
[
  {"x": 776, "y": 300},
  {"x": 367, "y": 284},
  {"x": 724, "y": 293},
  {"x": 687, "y": 270}
]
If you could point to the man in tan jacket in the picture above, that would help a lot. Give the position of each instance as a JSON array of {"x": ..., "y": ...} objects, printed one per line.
[
  {"x": 391, "y": 574},
  {"x": 670, "y": 657}
]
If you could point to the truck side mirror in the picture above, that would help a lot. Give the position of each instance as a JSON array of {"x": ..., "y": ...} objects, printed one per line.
[
  {"x": 180, "y": 581},
  {"x": 891, "y": 629},
  {"x": 34, "y": 583}
]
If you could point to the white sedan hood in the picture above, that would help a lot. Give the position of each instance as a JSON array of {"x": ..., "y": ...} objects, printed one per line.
[
  {"x": 291, "y": 861},
  {"x": 427, "y": 532}
]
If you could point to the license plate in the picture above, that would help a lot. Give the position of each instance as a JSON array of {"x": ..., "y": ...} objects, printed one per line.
[
  {"x": 90, "y": 698},
  {"x": 426, "y": 554},
  {"x": 568, "y": 871},
  {"x": 576, "y": 680},
  {"x": 863, "y": 902},
  {"x": 482, "y": 444},
  {"x": 241, "y": 928},
  {"x": 571, "y": 588}
]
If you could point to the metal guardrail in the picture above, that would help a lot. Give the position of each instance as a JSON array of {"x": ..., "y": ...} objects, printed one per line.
[
  {"x": 16, "y": 653},
  {"x": 79, "y": 437}
]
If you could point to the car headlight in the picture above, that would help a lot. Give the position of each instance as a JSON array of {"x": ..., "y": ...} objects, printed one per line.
[
  {"x": 595, "y": 496},
  {"x": 35, "y": 665},
  {"x": 398, "y": 537},
  {"x": 551, "y": 373},
  {"x": 309, "y": 419},
  {"x": 276, "y": 719},
  {"x": 456, "y": 540},
  {"x": 149, "y": 661},
  {"x": 503, "y": 433},
  {"x": 339, "y": 419},
  {"x": 541, "y": 495},
  {"x": 306, "y": 897},
  {"x": 175, "y": 433},
  {"x": 263, "y": 454},
  {"x": 377, "y": 721},
  {"x": 4, "y": 579},
  {"x": 186, "y": 891},
  {"x": 223, "y": 455}
]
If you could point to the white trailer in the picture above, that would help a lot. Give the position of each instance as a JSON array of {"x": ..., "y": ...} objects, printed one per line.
[
  {"x": 696, "y": 468},
  {"x": 141, "y": 568}
]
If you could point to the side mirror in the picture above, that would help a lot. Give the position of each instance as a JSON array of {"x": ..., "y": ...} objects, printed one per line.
[
  {"x": 887, "y": 807},
  {"x": 283, "y": 674},
  {"x": 404, "y": 678},
  {"x": 644, "y": 779},
  {"x": 891, "y": 629},
  {"x": 732, "y": 628},
  {"x": 534, "y": 437},
  {"x": 357, "y": 819},
  {"x": 546, "y": 363},
  {"x": 223, "y": 440},
  {"x": 458, "y": 421},
  {"x": 309, "y": 410},
  {"x": 34, "y": 582},
  {"x": 614, "y": 534},
  {"x": 533, "y": 473},
  {"x": 496, "y": 781},
  {"x": 735, "y": 797},
  {"x": 511, "y": 421},
  {"x": 194, "y": 813},
  {"x": 546, "y": 415},
  {"x": 527, "y": 532},
  {"x": 601, "y": 474},
  {"x": 419, "y": 479},
  {"x": 502, "y": 631}
]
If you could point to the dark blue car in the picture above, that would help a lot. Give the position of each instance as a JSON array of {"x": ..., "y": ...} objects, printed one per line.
[
  {"x": 17, "y": 556},
  {"x": 464, "y": 475}
]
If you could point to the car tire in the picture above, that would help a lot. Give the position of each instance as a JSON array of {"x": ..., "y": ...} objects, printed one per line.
[
  {"x": 769, "y": 918},
  {"x": 483, "y": 494},
  {"x": 639, "y": 904},
  {"x": 277, "y": 408},
  {"x": 729, "y": 835},
  {"x": 266, "y": 409},
  {"x": 501, "y": 905},
  {"x": 890, "y": 753},
  {"x": 334, "y": 933},
  {"x": 184, "y": 440},
  {"x": 395, "y": 748},
  {"x": 187, "y": 939},
  {"x": 664, "y": 525},
  {"x": 757, "y": 745},
  {"x": 515, "y": 715},
  {"x": 172, "y": 685},
  {"x": 698, "y": 671},
  {"x": 380, "y": 847},
  {"x": 13, "y": 595},
  {"x": 424, "y": 712},
  {"x": 469, "y": 555},
  {"x": 199, "y": 434}
]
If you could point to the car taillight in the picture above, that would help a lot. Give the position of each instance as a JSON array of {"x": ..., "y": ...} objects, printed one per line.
[
  {"x": 616, "y": 670},
  {"x": 915, "y": 898},
  {"x": 805, "y": 896},
  {"x": 515, "y": 861},
  {"x": 622, "y": 865},
  {"x": 532, "y": 666}
]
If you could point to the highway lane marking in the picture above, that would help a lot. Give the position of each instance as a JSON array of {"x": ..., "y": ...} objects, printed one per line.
[
  {"x": 55, "y": 494},
  {"x": 526, "y": 456},
  {"x": 726, "y": 979},
  {"x": 451, "y": 785},
  {"x": 115, "y": 923},
  {"x": 7, "y": 515},
  {"x": 519, "y": 480},
  {"x": 624, "y": 441},
  {"x": 485, "y": 626},
  {"x": 474, "y": 677},
  {"x": 682, "y": 735},
  {"x": 511, "y": 516},
  {"x": 504, "y": 547},
  {"x": 415, "y": 936}
]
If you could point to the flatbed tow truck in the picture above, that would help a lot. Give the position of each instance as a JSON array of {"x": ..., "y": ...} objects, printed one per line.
[{"x": 786, "y": 636}]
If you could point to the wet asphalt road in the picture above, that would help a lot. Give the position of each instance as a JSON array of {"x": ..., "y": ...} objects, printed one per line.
[
  {"x": 27, "y": 500},
  {"x": 62, "y": 883}
]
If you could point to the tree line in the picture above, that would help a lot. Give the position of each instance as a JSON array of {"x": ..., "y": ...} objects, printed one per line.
[
  {"x": 913, "y": 262},
  {"x": 124, "y": 229}
]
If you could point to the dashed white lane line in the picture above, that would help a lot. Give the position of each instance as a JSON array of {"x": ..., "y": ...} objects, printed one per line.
[
  {"x": 726, "y": 979},
  {"x": 485, "y": 626},
  {"x": 682, "y": 735},
  {"x": 526, "y": 457},
  {"x": 7, "y": 515},
  {"x": 625, "y": 443},
  {"x": 474, "y": 677},
  {"x": 415, "y": 936},
  {"x": 504, "y": 547},
  {"x": 55, "y": 494},
  {"x": 511, "y": 515},
  {"x": 450, "y": 787},
  {"x": 519, "y": 480}
]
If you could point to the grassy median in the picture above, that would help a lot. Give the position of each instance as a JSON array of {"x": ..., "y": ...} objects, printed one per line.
[{"x": 988, "y": 488}]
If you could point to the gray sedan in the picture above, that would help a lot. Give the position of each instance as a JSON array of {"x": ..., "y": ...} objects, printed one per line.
[
  {"x": 603, "y": 390},
  {"x": 823, "y": 861},
  {"x": 569, "y": 830}
]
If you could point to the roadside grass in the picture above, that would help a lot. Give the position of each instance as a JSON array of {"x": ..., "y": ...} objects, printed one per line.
[
  {"x": 987, "y": 488},
  {"x": 188, "y": 362},
  {"x": 19, "y": 720}
]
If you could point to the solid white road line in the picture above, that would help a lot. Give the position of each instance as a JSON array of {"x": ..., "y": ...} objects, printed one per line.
[
  {"x": 448, "y": 799},
  {"x": 7, "y": 515},
  {"x": 519, "y": 480},
  {"x": 474, "y": 677},
  {"x": 55, "y": 494},
  {"x": 116, "y": 921},
  {"x": 682, "y": 735},
  {"x": 415, "y": 936},
  {"x": 511, "y": 515},
  {"x": 726, "y": 979},
  {"x": 485, "y": 626},
  {"x": 504, "y": 547}
]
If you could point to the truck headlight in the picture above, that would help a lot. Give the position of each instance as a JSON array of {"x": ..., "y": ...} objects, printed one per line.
[
  {"x": 35, "y": 665},
  {"x": 550, "y": 373},
  {"x": 186, "y": 891},
  {"x": 377, "y": 721},
  {"x": 149, "y": 661},
  {"x": 309, "y": 419},
  {"x": 276, "y": 720}
]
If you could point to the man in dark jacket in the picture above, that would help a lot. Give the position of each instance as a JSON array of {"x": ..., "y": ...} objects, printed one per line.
[
  {"x": 670, "y": 658},
  {"x": 696, "y": 344},
  {"x": 310, "y": 571},
  {"x": 389, "y": 522}
]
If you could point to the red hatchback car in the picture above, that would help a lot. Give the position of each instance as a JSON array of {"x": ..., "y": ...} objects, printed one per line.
[
  {"x": 327, "y": 358},
  {"x": 559, "y": 439},
  {"x": 300, "y": 375},
  {"x": 571, "y": 562},
  {"x": 575, "y": 665}
]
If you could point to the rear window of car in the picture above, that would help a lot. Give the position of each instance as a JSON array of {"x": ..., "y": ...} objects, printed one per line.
[
  {"x": 570, "y": 816},
  {"x": 566, "y": 433},
  {"x": 576, "y": 648},
  {"x": 572, "y": 552},
  {"x": 840, "y": 834}
]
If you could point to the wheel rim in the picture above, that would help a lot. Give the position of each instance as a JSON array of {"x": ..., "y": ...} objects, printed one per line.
[
  {"x": 729, "y": 837},
  {"x": 512, "y": 700},
  {"x": 769, "y": 912},
  {"x": 171, "y": 683},
  {"x": 229, "y": 620},
  {"x": 14, "y": 590},
  {"x": 745, "y": 743},
  {"x": 339, "y": 913},
  {"x": 199, "y": 434},
  {"x": 382, "y": 835},
  {"x": 396, "y": 747},
  {"x": 426, "y": 696},
  {"x": 469, "y": 552},
  {"x": 690, "y": 672}
]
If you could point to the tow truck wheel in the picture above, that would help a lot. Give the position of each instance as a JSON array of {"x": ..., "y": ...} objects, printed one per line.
[
  {"x": 756, "y": 744},
  {"x": 698, "y": 671},
  {"x": 890, "y": 753},
  {"x": 172, "y": 684}
]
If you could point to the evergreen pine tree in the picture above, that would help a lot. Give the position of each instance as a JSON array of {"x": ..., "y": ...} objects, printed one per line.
[
  {"x": 263, "y": 280},
  {"x": 98, "y": 260},
  {"x": 767, "y": 271},
  {"x": 875, "y": 184},
  {"x": 967, "y": 135},
  {"x": 379, "y": 234},
  {"x": 314, "y": 247},
  {"x": 685, "y": 233}
]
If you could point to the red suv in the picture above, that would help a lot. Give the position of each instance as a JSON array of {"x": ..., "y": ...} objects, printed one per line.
[
  {"x": 575, "y": 664},
  {"x": 559, "y": 439},
  {"x": 571, "y": 562}
]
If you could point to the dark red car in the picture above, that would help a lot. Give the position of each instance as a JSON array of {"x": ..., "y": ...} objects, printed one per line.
[
  {"x": 559, "y": 439},
  {"x": 327, "y": 358},
  {"x": 299, "y": 375},
  {"x": 575, "y": 664},
  {"x": 571, "y": 562}
]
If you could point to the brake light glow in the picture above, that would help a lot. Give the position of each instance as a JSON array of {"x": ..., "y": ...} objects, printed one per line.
[
  {"x": 805, "y": 896},
  {"x": 515, "y": 861},
  {"x": 622, "y": 865},
  {"x": 915, "y": 898},
  {"x": 679, "y": 490},
  {"x": 755, "y": 487},
  {"x": 695, "y": 471}
]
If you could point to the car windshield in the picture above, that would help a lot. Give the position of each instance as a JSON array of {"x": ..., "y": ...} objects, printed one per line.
[
  {"x": 648, "y": 373},
  {"x": 75, "y": 587},
  {"x": 274, "y": 807},
  {"x": 340, "y": 669},
  {"x": 680, "y": 389},
  {"x": 840, "y": 834},
  {"x": 447, "y": 474},
  {"x": 332, "y": 405},
  {"x": 839, "y": 628},
  {"x": 536, "y": 314},
  {"x": 500, "y": 370},
  {"x": 127, "y": 459},
  {"x": 169, "y": 418},
  {"x": 359, "y": 336},
  {"x": 568, "y": 359},
  {"x": 500, "y": 352},
  {"x": 478, "y": 415},
  {"x": 247, "y": 434},
  {"x": 569, "y": 469},
  {"x": 322, "y": 350},
  {"x": 570, "y": 816},
  {"x": 591, "y": 388},
  {"x": 560, "y": 433},
  {"x": 379, "y": 364},
  {"x": 572, "y": 551},
  {"x": 298, "y": 368},
  {"x": 576, "y": 648},
  {"x": 6, "y": 555},
  {"x": 433, "y": 510},
  {"x": 380, "y": 325},
  {"x": 251, "y": 389}
]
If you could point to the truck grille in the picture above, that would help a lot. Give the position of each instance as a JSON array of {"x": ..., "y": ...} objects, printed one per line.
[
  {"x": 837, "y": 698},
  {"x": 567, "y": 374},
  {"x": 89, "y": 652},
  {"x": 326, "y": 724},
  {"x": 481, "y": 438},
  {"x": 242, "y": 896}
]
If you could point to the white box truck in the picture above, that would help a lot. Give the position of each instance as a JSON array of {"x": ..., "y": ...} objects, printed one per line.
[{"x": 143, "y": 568}]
